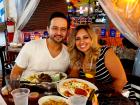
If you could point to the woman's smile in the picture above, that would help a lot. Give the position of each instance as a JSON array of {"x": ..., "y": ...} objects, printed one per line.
[{"x": 83, "y": 41}]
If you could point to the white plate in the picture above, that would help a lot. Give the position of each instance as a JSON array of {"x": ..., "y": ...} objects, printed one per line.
[
  {"x": 52, "y": 97},
  {"x": 33, "y": 78},
  {"x": 72, "y": 83}
]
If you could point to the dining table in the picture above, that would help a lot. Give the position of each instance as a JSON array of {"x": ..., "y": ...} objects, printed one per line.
[{"x": 105, "y": 95}]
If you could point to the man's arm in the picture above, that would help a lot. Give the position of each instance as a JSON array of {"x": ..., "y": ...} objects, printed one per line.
[{"x": 16, "y": 72}]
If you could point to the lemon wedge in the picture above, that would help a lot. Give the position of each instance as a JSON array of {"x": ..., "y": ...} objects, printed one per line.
[{"x": 88, "y": 75}]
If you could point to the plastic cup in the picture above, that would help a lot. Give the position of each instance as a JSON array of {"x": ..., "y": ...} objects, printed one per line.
[
  {"x": 8, "y": 83},
  {"x": 14, "y": 83},
  {"x": 78, "y": 100},
  {"x": 20, "y": 96}
]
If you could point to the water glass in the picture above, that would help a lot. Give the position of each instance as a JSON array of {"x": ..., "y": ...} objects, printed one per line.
[
  {"x": 50, "y": 88},
  {"x": 20, "y": 96},
  {"x": 78, "y": 100},
  {"x": 8, "y": 83},
  {"x": 12, "y": 84}
]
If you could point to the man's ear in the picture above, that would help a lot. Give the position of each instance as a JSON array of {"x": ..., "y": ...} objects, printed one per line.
[{"x": 47, "y": 28}]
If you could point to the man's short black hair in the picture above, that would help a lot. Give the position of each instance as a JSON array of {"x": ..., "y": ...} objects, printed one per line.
[{"x": 57, "y": 14}]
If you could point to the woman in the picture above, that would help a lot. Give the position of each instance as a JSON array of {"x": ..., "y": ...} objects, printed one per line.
[{"x": 91, "y": 60}]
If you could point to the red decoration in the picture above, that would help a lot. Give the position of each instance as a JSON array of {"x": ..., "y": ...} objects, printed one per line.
[{"x": 10, "y": 29}]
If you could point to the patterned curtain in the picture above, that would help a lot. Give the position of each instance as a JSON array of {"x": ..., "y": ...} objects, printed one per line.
[
  {"x": 27, "y": 11},
  {"x": 20, "y": 12},
  {"x": 125, "y": 14},
  {"x": 2, "y": 11}
]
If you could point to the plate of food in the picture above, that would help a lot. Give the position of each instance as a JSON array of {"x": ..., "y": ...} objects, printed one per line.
[
  {"x": 39, "y": 77},
  {"x": 53, "y": 100},
  {"x": 73, "y": 86}
]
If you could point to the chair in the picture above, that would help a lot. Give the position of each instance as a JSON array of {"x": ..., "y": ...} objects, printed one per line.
[
  {"x": 7, "y": 59},
  {"x": 3, "y": 43},
  {"x": 2, "y": 58},
  {"x": 10, "y": 61}
]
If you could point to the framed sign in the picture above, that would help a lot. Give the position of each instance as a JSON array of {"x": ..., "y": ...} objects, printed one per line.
[{"x": 99, "y": 16}]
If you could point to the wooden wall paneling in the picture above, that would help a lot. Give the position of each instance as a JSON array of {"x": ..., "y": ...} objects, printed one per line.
[{"x": 39, "y": 19}]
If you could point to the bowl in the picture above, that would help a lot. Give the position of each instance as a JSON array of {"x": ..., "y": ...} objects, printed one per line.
[{"x": 53, "y": 99}]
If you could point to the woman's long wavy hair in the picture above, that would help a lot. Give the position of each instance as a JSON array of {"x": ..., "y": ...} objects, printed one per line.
[{"x": 75, "y": 54}]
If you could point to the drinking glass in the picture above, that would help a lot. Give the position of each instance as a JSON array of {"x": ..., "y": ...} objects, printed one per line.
[
  {"x": 20, "y": 96},
  {"x": 8, "y": 83},
  {"x": 78, "y": 100},
  {"x": 15, "y": 82},
  {"x": 12, "y": 84},
  {"x": 90, "y": 72},
  {"x": 50, "y": 88}
]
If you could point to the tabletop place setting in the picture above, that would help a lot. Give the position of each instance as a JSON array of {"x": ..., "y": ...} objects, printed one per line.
[
  {"x": 51, "y": 88},
  {"x": 47, "y": 88}
]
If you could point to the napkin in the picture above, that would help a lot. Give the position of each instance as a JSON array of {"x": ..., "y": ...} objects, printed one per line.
[{"x": 2, "y": 102}]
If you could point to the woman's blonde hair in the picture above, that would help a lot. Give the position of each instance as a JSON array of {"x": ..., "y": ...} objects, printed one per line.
[{"x": 75, "y": 54}]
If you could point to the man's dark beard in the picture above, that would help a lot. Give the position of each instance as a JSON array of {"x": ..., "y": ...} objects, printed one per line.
[{"x": 57, "y": 41}]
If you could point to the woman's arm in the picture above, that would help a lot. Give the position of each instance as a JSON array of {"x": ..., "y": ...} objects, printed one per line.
[{"x": 116, "y": 70}]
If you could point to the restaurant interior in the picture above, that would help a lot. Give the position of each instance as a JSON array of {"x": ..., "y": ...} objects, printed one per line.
[{"x": 116, "y": 22}]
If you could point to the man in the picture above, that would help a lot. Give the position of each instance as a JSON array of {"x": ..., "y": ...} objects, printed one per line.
[{"x": 45, "y": 54}]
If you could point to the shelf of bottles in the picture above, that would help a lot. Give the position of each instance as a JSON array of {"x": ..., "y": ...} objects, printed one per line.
[{"x": 90, "y": 12}]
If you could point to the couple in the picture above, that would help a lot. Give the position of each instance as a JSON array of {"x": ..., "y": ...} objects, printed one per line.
[{"x": 83, "y": 49}]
